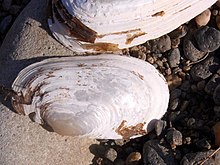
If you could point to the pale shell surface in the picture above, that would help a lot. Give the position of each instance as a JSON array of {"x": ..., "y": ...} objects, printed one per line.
[
  {"x": 105, "y": 96},
  {"x": 111, "y": 25}
]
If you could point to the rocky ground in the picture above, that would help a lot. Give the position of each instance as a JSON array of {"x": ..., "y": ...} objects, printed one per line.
[{"x": 189, "y": 59}]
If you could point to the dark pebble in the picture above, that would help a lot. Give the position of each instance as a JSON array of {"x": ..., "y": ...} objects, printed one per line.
[
  {"x": 155, "y": 153},
  {"x": 207, "y": 38},
  {"x": 212, "y": 84},
  {"x": 205, "y": 69},
  {"x": 174, "y": 58},
  {"x": 197, "y": 158},
  {"x": 176, "y": 93},
  {"x": 5, "y": 23},
  {"x": 216, "y": 95},
  {"x": 159, "y": 126},
  {"x": 174, "y": 138},
  {"x": 190, "y": 50},
  {"x": 174, "y": 104},
  {"x": 203, "y": 144},
  {"x": 179, "y": 32},
  {"x": 159, "y": 45}
]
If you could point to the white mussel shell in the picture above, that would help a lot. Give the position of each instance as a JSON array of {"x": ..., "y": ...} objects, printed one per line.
[
  {"x": 111, "y": 25},
  {"x": 105, "y": 96}
]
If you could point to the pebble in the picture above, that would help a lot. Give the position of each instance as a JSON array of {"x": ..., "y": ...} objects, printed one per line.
[
  {"x": 217, "y": 110},
  {"x": 159, "y": 45},
  {"x": 197, "y": 158},
  {"x": 203, "y": 144},
  {"x": 133, "y": 158},
  {"x": 176, "y": 93},
  {"x": 174, "y": 138},
  {"x": 111, "y": 154},
  {"x": 189, "y": 49},
  {"x": 201, "y": 85},
  {"x": 5, "y": 23},
  {"x": 207, "y": 38},
  {"x": 203, "y": 18},
  {"x": 160, "y": 125},
  {"x": 175, "y": 43},
  {"x": 212, "y": 84},
  {"x": 174, "y": 104},
  {"x": 216, "y": 95},
  {"x": 155, "y": 153},
  {"x": 205, "y": 68},
  {"x": 174, "y": 58}
]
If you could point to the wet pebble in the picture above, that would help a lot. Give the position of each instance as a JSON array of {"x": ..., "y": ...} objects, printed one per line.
[
  {"x": 174, "y": 58},
  {"x": 207, "y": 38},
  {"x": 205, "y": 69},
  {"x": 203, "y": 18},
  {"x": 160, "y": 125},
  {"x": 159, "y": 45},
  {"x": 5, "y": 23}
]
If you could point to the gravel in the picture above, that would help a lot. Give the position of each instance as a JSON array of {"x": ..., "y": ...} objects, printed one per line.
[{"x": 184, "y": 135}]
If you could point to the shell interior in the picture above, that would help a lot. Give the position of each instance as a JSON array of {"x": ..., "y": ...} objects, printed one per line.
[{"x": 105, "y": 96}]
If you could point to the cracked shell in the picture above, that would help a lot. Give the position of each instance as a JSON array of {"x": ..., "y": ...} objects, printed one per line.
[
  {"x": 111, "y": 25},
  {"x": 105, "y": 96}
]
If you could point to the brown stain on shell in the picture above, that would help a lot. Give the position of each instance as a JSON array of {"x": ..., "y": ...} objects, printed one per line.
[
  {"x": 101, "y": 47},
  {"x": 158, "y": 14},
  {"x": 128, "y": 131},
  {"x": 131, "y": 37}
]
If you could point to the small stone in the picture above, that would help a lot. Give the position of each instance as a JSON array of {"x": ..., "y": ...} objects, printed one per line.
[
  {"x": 212, "y": 84},
  {"x": 190, "y": 50},
  {"x": 174, "y": 58},
  {"x": 187, "y": 140},
  {"x": 155, "y": 153},
  {"x": 6, "y": 4},
  {"x": 216, "y": 95},
  {"x": 150, "y": 59},
  {"x": 205, "y": 69},
  {"x": 174, "y": 137},
  {"x": 203, "y": 144},
  {"x": 175, "y": 42},
  {"x": 5, "y": 23},
  {"x": 207, "y": 38},
  {"x": 111, "y": 154},
  {"x": 194, "y": 158},
  {"x": 203, "y": 18},
  {"x": 133, "y": 158},
  {"x": 159, "y": 126},
  {"x": 179, "y": 32},
  {"x": 185, "y": 86},
  {"x": 191, "y": 122},
  {"x": 186, "y": 68},
  {"x": 159, "y": 63},
  {"x": 174, "y": 82},
  {"x": 159, "y": 45},
  {"x": 168, "y": 71},
  {"x": 214, "y": 12},
  {"x": 174, "y": 104}
]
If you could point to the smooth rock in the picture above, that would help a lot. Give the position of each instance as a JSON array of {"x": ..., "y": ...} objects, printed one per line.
[
  {"x": 203, "y": 18},
  {"x": 205, "y": 68},
  {"x": 198, "y": 158},
  {"x": 155, "y": 153},
  {"x": 207, "y": 38},
  {"x": 5, "y": 23},
  {"x": 21, "y": 140},
  {"x": 190, "y": 50},
  {"x": 174, "y": 138},
  {"x": 174, "y": 104},
  {"x": 111, "y": 154},
  {"x": 212, "y": 84},
  {"x": 159, "y": 45},
  {"x": 174, "y": 58},
  {"x": 216, "y": 95}
]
